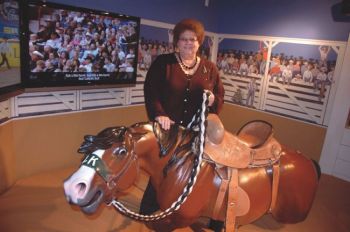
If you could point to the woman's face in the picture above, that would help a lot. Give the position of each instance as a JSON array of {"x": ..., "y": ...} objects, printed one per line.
[{"x": 188, "y": 43}]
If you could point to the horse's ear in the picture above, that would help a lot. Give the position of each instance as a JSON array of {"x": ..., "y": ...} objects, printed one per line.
[
  {"x": 137, "y": 131},
  {"x": 137, "y": 136},
  {"x": 85, "y": 148},
  {"x": 166, "y": 138}
]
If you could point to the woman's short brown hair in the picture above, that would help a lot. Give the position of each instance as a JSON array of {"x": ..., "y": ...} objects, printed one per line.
[{"x": 190, "y": 25}]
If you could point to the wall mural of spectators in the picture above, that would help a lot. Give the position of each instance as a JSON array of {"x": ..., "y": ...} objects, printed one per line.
[
  {"x": 156, "y": 41},
  {"x": 300, "y": 78},
  {"x": 242, "y": 66},
  {"x": 289, "y": 79}
]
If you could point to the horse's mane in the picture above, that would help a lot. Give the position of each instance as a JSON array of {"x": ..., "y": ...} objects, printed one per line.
[
  {"x": 177, "y": 140},
  {"x": 103, "y": 140}
]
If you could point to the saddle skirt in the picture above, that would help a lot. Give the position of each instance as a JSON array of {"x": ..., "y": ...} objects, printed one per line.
[{"x": 230, "y": 150}]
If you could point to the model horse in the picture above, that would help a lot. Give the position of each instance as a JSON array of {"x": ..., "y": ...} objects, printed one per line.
[{"x": 282, "y": 183}]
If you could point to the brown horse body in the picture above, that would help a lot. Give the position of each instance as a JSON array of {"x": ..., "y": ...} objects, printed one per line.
[{"x": 297, "y": 184}]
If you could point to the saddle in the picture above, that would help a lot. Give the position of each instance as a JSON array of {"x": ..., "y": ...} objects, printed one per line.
[{"x": 254, "y": 146}]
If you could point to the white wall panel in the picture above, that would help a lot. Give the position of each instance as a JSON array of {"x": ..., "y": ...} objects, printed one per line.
[
  {"x": 346, "y": 137},
  {"x": 29, "y": 104},
  {"x": 100, "y": 98},
  {"x": 344, "y": 154},
  {"x": 342, "y": 169}
]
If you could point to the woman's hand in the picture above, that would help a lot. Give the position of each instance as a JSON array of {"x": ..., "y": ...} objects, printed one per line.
[
  {"x": 165, "y": 122},
  {"x": 211, "y": 98}
]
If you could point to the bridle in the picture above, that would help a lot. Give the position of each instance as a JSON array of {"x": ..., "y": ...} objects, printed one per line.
[{"x": 95, "y": 162}]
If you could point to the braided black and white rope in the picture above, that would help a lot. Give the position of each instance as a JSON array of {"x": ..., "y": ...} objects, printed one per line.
[{"x": 200, "y": 121}]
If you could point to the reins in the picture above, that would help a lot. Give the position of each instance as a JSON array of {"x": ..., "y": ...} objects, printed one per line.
[{"x": 198, "y": 122}]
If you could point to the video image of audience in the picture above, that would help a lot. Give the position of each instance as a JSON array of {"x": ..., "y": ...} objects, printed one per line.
[{"x": 69, "y": 41}]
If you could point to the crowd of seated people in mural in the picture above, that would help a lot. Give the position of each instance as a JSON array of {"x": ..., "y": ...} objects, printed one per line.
[
  {"x": 241, "y": 63},
  {"x": 149, "y": 49},
  {"x": 79, "y": 42},
  {"x": 318, "y": 72}
]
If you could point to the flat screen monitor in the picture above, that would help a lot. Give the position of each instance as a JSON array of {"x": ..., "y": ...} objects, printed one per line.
[{"x": 65, "y": 45}]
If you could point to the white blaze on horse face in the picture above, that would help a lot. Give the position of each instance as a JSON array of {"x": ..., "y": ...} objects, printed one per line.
[{"x": 78, "y": 185}]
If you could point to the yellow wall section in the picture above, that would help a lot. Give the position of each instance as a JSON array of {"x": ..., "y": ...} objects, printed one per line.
[
  {"x": 33, "y": 145},
  {"x": 51, "y": 142}
]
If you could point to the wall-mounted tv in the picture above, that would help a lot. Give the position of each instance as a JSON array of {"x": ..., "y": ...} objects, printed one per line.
[{"x": 66, "y": 45}]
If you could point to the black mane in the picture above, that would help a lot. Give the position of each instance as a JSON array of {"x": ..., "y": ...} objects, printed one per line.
[
  {"x": 103, "y": 140},
  {"x": 176, "y": 142},
  {"x": 186, "y": 144}
]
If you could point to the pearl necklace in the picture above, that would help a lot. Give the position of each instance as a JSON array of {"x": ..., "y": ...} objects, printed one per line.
[{"x": 186, "y": 69}]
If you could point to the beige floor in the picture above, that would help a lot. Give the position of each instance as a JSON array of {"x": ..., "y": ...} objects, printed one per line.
[{"x": 37, "y": 204}]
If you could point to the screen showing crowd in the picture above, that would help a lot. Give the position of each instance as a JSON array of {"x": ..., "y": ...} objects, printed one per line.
[{"x": 80, "y": 45}]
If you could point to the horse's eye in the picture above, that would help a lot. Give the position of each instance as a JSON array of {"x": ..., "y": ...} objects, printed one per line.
[{"x": 120, "y": 151}]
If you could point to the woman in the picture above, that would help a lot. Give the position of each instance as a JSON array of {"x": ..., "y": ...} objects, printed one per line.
[
  {"x": 174, "y": 88},
  {"x": 175, "y": 82}
]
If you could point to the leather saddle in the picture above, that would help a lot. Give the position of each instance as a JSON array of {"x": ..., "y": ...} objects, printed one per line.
[{"x": 253, "y": 146}]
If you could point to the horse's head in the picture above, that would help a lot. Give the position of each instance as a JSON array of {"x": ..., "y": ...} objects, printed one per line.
[{"x": 108, "y": 168}]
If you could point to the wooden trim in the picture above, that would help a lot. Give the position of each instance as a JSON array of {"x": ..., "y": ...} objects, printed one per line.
[{"x": 10, "y": 94}]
